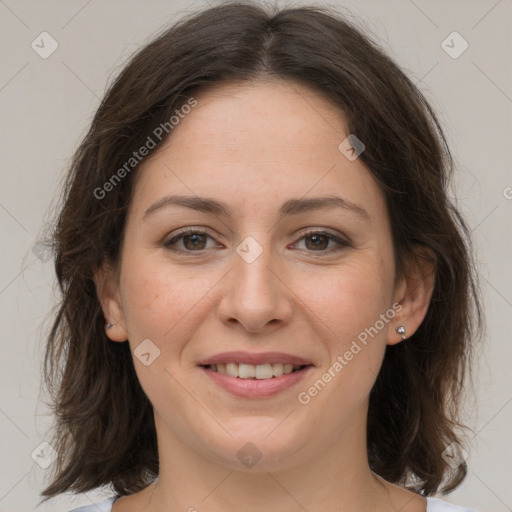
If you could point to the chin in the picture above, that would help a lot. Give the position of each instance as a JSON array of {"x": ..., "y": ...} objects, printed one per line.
[{"x": 256, "y": 448}]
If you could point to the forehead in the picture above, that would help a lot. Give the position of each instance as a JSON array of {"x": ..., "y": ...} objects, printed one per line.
[
  {"x": 252, "y": 142},
  {"x": 263, "y": 115}
]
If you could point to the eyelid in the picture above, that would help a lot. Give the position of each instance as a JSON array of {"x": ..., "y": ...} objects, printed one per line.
[
  {"x": 323, "y": 231},
  {"x": 189, "y": 230},
  {"x": 340, "y": 239}
]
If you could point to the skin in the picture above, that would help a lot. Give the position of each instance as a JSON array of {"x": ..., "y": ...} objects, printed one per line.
[{"x": 253, "y": 147}]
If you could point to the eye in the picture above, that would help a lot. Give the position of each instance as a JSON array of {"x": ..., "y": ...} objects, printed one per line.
[
  {"x": 191, "y": 239},
  {"x": 196, "y": 240},
  {"x": 318, "y": 241}
]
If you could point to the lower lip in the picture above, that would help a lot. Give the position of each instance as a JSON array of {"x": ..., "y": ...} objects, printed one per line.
[{"x": 256, "y": 388}]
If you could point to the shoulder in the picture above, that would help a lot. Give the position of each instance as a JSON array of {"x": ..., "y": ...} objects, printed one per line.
[
  {"x": 101, "y": 506},
  {"x": 433, "y": 505},
  {"x": 437, "y": 505}
]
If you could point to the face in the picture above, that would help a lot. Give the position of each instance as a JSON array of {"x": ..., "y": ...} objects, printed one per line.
[{"x": 250, "y": 231}]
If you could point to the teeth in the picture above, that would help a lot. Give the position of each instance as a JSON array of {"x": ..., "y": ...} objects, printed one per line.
[
  {"x": 252, "y": 371},
  {"x": 277, "y": 369},
  {"x": 232, "y": 369},
  {"x": 263, "y": 371},
  {"x": 247, "y": 371}
]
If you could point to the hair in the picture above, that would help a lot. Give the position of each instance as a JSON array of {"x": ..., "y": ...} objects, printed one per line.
[{"x": 104, "y": 431}]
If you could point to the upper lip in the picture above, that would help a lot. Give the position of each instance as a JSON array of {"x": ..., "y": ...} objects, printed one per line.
[{"x": 254, "y": 358}]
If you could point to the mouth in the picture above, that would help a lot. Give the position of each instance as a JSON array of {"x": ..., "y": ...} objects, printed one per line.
[
  {"x": 263, "y": 371},
  {"x": 255, "y": 381},
  {"x": 255, "y": 375}
]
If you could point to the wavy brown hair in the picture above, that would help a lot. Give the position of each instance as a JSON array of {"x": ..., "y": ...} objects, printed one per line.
[{"x": 105, "y": 432}]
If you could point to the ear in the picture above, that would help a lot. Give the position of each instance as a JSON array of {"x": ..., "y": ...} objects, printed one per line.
[
  {"x": 107, "y": 290},
  {"x": 413, "y": 292}
]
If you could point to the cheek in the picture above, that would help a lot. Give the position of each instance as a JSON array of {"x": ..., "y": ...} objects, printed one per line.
[
  {"x": 354, "y": 312},
  {"x": 164, "y": 304},
  {"x": 155, "y": 307},
  {"x": 151, "y": 305},
  {"x": 350, "y": 297}
]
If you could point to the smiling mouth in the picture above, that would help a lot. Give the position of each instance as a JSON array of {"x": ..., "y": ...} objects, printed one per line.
[{"x": 255, "y": 371}]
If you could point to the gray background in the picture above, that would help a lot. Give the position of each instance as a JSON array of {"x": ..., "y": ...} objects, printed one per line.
[{"x": 46, "y": 107}]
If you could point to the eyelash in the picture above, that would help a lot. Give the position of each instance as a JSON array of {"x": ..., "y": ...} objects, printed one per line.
[{"x": 342, "y": 244}]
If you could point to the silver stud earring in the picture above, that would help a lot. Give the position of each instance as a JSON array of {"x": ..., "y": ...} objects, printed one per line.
[
  {"x": 401, "y": 330},
  {"x": 108, "y": 326}
]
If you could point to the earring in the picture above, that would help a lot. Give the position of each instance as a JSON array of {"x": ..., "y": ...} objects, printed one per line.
[
  {"x": 108, "y": 326},
  {"x": 401, "y": 330}
]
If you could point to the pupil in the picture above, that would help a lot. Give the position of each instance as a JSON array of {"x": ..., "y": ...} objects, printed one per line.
[
  {"x": 196, "y": 239},
  {"x": 317, "y": 241}
]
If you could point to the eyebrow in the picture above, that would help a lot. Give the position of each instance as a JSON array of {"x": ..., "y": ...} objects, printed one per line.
[{"x": 290, "y": 207}]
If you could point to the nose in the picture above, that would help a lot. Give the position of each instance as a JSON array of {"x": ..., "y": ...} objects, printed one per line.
[{"x": 255, "y": 296}]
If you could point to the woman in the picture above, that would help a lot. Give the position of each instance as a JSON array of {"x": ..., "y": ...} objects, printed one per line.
[{"x": 268, "y": 299}]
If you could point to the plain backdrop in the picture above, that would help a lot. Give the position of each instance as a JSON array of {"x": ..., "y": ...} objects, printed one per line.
[{"x": 46, "y": 107}]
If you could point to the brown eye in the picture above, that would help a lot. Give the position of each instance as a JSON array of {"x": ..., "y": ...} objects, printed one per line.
[
  {"x": 323, "y": 242},
  {"x": 317, "y": 242},
  {"x": 189, "y": 240},
  {"x": 195, "y": 241}
]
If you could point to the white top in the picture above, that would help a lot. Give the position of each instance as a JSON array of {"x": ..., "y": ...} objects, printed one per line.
[{"x": 433, "y": 505}]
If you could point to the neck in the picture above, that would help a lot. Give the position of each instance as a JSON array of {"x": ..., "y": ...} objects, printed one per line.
[{"x": 336, "y": 478}]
